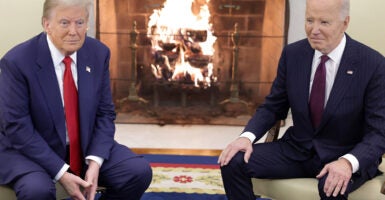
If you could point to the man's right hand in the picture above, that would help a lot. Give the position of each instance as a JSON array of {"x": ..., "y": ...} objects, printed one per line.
[
  {"x": 72, "y": 185},
  {"x": 240, "y": 144}
]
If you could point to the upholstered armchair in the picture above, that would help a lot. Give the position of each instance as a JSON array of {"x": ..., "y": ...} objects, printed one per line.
[
  {"x": 6, "y": 193},
  {"x": 306, "y": 188}
]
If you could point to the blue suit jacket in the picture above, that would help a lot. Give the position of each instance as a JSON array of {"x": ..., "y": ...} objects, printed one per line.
[
  {"x": 33, "y": 133},
  {"x": 354, "y": 117}
]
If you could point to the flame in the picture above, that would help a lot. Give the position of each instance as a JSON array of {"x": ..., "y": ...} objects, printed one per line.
[{"x": 182, "y": 27}]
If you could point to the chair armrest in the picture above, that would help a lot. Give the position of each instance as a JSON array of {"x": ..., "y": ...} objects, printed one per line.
[{"x": 272, "y": 134}]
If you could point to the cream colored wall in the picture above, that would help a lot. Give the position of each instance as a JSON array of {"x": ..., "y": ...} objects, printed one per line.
[
  {"x": 367, "y": 23},
  {"x": 20, "y": 20}
]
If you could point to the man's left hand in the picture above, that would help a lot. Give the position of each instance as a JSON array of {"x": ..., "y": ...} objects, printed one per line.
[
  {"x": 339, "y": 174},
  {"x": 92, "y": 176}
]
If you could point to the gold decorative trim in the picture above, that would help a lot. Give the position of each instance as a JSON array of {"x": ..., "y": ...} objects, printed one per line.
[{"x": 193, "y": 152}]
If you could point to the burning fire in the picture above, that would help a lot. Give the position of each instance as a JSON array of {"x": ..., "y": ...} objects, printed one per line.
[{"x": 182, "y": 42}]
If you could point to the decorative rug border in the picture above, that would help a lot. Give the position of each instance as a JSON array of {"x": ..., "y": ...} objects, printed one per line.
[{"x": 194, "y": 152}]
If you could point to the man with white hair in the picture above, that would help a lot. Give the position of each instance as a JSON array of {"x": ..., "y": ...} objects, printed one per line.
[{"x": 335, "y": 89}]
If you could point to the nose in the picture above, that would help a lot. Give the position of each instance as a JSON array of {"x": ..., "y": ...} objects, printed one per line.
[
  {"x": 315, "y": 29},
  {"x": 72, "y": 28}
]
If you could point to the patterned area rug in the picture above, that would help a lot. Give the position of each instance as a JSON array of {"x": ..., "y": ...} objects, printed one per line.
[{"x": 185, "y": 178}]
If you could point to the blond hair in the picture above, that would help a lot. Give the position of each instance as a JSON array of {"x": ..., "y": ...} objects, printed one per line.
[{"x": 50, "y": 5}]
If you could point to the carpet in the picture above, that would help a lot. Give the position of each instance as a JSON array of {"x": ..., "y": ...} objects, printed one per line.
[{"x": 177, "y": 177}]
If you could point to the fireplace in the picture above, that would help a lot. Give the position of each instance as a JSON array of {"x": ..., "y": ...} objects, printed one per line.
[{"x": 213, "y": 62}]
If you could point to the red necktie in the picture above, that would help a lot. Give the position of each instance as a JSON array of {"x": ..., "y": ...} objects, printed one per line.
[
  {"x": 317, "y": 96},
  {"x": 71, "y": 109}
]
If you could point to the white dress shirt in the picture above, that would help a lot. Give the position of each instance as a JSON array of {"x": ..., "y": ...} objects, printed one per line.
[
  {"x": 59, "y": 66},
  {"x": 331, "y": 71}
]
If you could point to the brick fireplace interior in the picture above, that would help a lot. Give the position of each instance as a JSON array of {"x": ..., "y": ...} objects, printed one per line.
[{"x": 249, "y": 36}]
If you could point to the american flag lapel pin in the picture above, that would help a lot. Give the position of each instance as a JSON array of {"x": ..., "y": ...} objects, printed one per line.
[
  {"x": 88, "y": 69},
  {"x": 350, "y": 72}
]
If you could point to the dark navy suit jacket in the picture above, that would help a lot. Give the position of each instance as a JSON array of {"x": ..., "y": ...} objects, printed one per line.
[
  {"x": 32, "y": 122},
  {"x": 354, "y": 117}
]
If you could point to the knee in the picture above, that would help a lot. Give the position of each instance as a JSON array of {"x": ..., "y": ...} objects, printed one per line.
[
  {"x": 235, "y": 163},
  {"x": 321, "y": 184},
  {"x": 322, "y": 194},
  {"x": 144, "y": 174},
  {"x": 138, "y": 180},
  {"x": 139, "y": 174},
  {"x": 130, "y": 178},
  {"x": 238, "y": 159}
]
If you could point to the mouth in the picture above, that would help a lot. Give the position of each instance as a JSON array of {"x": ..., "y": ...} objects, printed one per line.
[
  {"x": 71, "y": 42},
  {"x": 316, "y": 40}
]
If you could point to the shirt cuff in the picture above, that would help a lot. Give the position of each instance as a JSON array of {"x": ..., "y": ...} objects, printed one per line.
[
  {"x": 353, "y": 161},
  {"x": 61, "y": 172},
  {"x": 97, "y": 159},
  {"x": 248, "y": 135}
]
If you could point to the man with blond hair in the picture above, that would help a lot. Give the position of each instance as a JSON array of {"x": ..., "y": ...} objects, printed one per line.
[{"x": 57, "y": 115}]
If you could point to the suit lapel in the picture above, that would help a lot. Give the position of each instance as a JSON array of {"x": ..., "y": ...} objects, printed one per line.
[
  {"x": 304, "y": 73},
  {"x": 85, "y": 69},
  {"x": 344, "y": 78},
  {"x": 49, "y": 85}
]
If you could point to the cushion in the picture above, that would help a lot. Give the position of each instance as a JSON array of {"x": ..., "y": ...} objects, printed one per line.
[
  {"x": 6, "y": 193},
  {"x": 306, "y": 188}
]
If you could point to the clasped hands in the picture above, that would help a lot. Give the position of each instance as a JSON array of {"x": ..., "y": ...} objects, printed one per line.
[
  {"x": 78, "y": 188},
  {"x": 338, "y": 172}
]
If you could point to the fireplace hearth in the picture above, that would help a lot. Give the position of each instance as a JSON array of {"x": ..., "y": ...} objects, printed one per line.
[{"x": 175, "y": 70}]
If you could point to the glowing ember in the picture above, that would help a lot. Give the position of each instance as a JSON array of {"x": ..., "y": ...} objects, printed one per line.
[{"x": 182, "y": 42}]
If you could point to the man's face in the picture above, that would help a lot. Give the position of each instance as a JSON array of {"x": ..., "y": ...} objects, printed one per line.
[
  {"x": 67, "y": 27},
  {"x": 324, "y": 25}
]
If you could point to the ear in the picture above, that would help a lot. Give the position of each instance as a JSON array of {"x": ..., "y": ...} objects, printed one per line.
[
  {"x": 46, "y": 25},
  {"x": 346, "y": 22}
]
